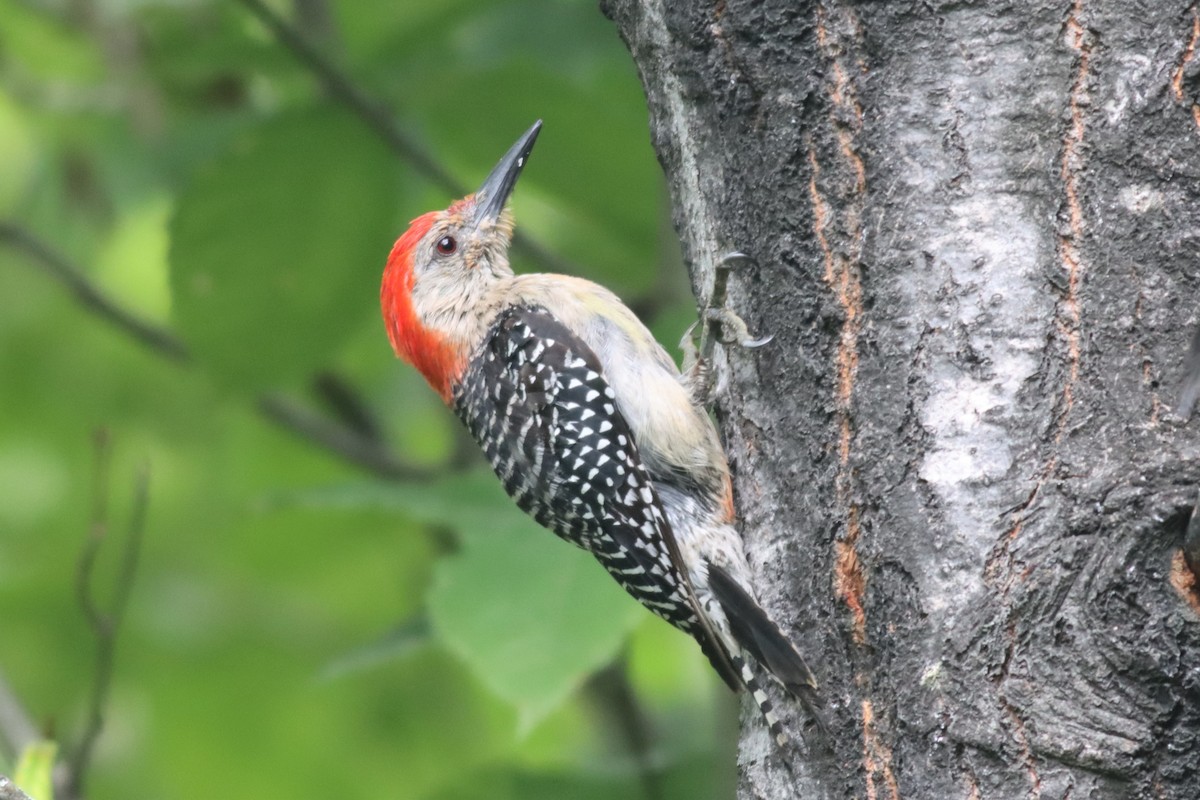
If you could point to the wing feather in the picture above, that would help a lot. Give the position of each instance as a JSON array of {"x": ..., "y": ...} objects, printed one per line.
[{"x": 537, "y": 401}]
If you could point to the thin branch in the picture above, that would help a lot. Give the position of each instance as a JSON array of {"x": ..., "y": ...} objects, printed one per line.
[
  {"x": 342, "y": 89},
  {"x": 346, "y": 405},
  {"x": 90, "y": 296},
  {"x": 315, "y": 19},
  {"x": 615, "y": 696},
  {"x": 97, "y": 532},
  {"x": 105, "y": 626},
  {"x": 341, "y": 439},
  {"x": 376, "y": 117},
  {"x": 132, "y": 551}
]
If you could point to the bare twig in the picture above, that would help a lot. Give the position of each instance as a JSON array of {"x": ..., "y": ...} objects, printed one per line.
[
  {"x": 105, "y": 626},
  {"x": 315, "y": 19},
  {"x": 376, "y": 117},
  {"x": 89, "y": 295},
  {"x": 97, "y": 532},
  {"x": 616, "y": 697},
  {"x": 342, "y": 89},
  {"x": 340, "y": 439},
  {"x": 346, "y": 405},
  {"x": 343, "y": 440}
]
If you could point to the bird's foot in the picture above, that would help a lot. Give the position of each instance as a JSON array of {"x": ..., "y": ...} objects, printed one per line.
[{"x": 717, "y": 324}]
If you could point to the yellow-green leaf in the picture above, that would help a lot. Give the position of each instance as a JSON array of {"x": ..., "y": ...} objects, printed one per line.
[{"x": 35, "y": 770}]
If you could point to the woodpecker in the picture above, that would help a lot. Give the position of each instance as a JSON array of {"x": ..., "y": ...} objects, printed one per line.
[{"x": 588, "y": 423}]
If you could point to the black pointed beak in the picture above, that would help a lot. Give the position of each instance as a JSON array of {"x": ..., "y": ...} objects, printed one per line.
[{"x": 494, "y": 192}]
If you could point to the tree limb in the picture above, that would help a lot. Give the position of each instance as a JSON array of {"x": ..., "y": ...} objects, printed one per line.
[
  {"x": 340, "y": 439},
  {"x": 342, "y": 89}
]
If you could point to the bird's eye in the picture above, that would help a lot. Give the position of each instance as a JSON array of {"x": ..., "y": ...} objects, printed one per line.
[{"x": 447, "y": 245}]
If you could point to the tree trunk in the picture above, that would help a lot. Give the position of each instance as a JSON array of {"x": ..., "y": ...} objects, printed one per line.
[{"x": 961, "y": 483}]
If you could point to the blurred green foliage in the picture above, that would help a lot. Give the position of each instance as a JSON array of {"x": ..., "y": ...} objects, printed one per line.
[{"x": 299, "y": 624}]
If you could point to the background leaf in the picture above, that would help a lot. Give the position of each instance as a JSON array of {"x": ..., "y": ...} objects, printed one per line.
[
  {"x": 274, "y": 249},
  {"x": 533, "y": 618},
  {"x": 531, "y": 615},
  {"x": 35, "y": 770}
]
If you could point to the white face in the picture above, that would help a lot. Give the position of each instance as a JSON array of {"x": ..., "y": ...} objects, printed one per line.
[{"x": 456, "y": 264}]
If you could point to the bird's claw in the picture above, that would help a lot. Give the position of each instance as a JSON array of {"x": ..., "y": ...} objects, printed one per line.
[
  {"x": 729, "y": 261},
  {"x": 733, "y": 329},
  {"x": 718, "y": 323},
  {"x": 691, "y": 353}
]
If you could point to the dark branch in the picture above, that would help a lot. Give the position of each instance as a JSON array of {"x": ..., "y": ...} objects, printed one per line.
[
  {"x": 341, "y": 439},
  {"x": 616, "y": 698},
  {"x": 342, "y": 89},
  {"x": 97, "y": 532},
  {"x": 57, "y": 266},
  {"x": 315, "y": 19},
  {"x": 346, "y": 405},
  {"x": 373, "y": 114}
]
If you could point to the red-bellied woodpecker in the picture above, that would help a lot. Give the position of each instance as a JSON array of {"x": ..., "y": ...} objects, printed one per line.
[{"x": 587, "y": 422}]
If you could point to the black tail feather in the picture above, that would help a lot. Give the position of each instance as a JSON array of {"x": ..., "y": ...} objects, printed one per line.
[
  {"x": 763, "y": 640},
  {"x": 755, "y": 631}
]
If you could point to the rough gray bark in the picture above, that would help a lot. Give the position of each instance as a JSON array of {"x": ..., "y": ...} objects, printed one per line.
[
  {"x": 9, "y": 790},
  {"x": 977, "y": 242}
]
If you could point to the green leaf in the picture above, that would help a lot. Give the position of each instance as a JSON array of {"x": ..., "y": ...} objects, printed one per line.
[
  {"x": 35, "y": 770},
  {"x": 276, "y": 251},
  {"x": 133, "y": 261},
  {"x": 532, "y": 616},
  {"x": 19, "y": 146}
]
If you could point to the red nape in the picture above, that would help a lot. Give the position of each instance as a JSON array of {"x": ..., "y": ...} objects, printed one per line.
[{"x": 427, "y": 350}]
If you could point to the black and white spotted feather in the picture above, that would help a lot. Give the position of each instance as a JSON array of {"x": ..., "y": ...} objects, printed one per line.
[{"x": 536, "y": 400}]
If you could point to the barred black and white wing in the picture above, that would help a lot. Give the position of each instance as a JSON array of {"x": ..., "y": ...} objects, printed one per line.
[{"x": 536, "y": 400}]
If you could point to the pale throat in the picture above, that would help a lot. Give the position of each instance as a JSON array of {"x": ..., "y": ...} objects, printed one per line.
[{"x": 450, "y": 304}]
